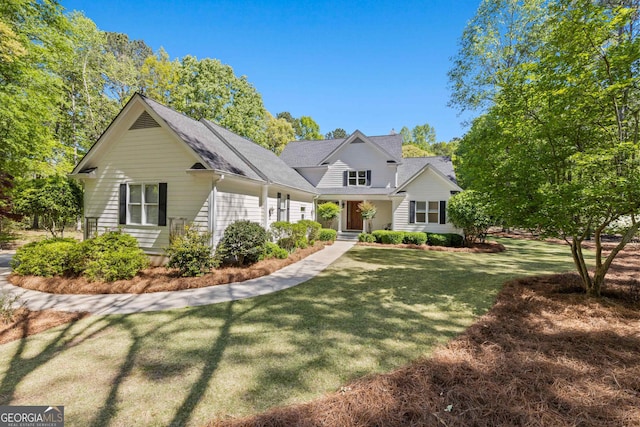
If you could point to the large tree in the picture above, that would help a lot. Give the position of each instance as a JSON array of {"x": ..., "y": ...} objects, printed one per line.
[{"x": 558, "y": 145}]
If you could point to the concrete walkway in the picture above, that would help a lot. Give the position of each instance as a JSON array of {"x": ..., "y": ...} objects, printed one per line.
[{"x": 287, "y": 277}]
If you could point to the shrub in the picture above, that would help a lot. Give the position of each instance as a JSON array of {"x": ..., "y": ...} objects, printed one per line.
[
  {"x": 190, "y": 253},
  {"x": 366, "y": 237},
  {"x": 415, "y": 238},
  {"x": 7, "y": 306},
  {"x": 280, "y": 230},
  {"x": 290, "y": 236},
  {"x": 47, "y": 258},
  {"x": 287, "y": 243},
  {"x": 393, "y": 237},
  {"x": 470, "y": 210},
  {"x": 327, "y": 212},
  {"x": 327, "y": 235},
  {"x": 271, "y": 250},
  {"x": 313, "y": 229},
  {"x": 111, "y": 256},
  {"x": 456, "y": 240},
  {"x": 377, "y": 234},
  {"x": 435, "y": 239},
  {"x": 243, "y": 243}
]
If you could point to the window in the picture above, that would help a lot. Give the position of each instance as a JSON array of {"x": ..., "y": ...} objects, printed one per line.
[
  {"x": 302, "y": 211},
  {"x": 142, "y": 205},
  {"x": 283, "y": 207},
  {"x": 434, "y": 213},
  {"x": 428, "y": 212},
  {"x": 421, "y": 212},
  {"x": 359, "y": 178},
  {"x": 90, "y": 227}
]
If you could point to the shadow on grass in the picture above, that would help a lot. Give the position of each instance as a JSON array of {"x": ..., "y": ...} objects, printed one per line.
[{"x": 372, "y": 311}]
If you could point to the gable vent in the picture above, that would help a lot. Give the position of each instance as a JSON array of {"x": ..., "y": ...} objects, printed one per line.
[
  {"x": 145, "y": 121},
  {"x": 357, "y": 141}
]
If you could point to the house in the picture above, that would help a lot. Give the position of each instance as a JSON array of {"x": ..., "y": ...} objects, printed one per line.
[
  {"x": 410, "y": 194},
  {"x": 154, "y": 170}
]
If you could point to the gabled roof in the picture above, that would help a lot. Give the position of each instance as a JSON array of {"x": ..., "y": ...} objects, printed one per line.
[
  {"x": 411, "y": 167},
  {"x": 219, "y": 149},
  {"x": 300, "y": 154}
]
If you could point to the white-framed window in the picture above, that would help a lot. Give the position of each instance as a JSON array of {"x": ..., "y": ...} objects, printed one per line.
[
  {"x": 421, "y": 212},
  {"x": 302, "y": 211},
  {"x": 142, "y": 204},
  {"x": 434, "y": 212},
  {"x": 358, "y": 178}
]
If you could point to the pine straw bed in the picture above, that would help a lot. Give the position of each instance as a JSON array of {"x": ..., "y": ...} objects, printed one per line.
[
  {"x": 26, "y": 322},
  {"x": 544, "y": 355},
  {"x": 159, "y": 279}
]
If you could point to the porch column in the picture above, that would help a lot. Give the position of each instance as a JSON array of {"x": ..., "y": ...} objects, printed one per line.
[
  {"x": 265, "y": 206},
  {"x": 213, "y": 211},
  {"x": 340, "y": 216}
]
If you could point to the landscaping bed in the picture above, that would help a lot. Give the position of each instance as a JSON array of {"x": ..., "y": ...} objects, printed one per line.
[
  {"x": 26, "y": 322},
  {"x": 545, "y": 354},
  {"x": 159, "y": 279}
]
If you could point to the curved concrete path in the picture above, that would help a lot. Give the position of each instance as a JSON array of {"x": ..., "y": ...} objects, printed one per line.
[{"x": 284, "y": 278}]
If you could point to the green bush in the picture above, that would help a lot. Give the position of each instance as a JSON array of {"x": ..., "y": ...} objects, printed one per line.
[
  {"x": 288, "y": 244},
  {"x": 327, "y": 212},
  {"x": 393, "y": 237},
  {"x": 327, "y": 235},
  {"x": 456, "y": 240},
  {"x": 291, "y": 236},
  {"x": 243, "y": 243},
  {"x": 415, "y": 238},
  {"x": 271, "y": 250},
  {"x": 435, "y": 239},
  {"x": 366, "y": 238},
  {"x": 47, "y": 258},
  {"x": 377, "y": 235},
  {"x": 280, "y": 230},
  {"x": 471, "y": 211},
  {"x": 109, "y": 257},
  {"x": 190, "y": 253},
  {"x": 312, "y": 229}
]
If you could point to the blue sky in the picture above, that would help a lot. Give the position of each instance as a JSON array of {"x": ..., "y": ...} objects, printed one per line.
[{"x": 367, "y": 65}]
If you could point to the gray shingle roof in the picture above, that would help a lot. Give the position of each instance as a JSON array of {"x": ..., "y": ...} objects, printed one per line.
[
  {"x": 299, "y": 154},
  {"x": 371, "y": 191},
  {"x": 225, "y": 151},
  {"x": 412, "y": 165}
]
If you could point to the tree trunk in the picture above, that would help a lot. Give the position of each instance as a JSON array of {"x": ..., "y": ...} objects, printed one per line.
[{"x": 581, "y": 265}]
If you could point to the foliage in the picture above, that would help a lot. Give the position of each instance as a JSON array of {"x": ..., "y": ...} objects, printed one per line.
[
  {"x": 272, "y": 250},
  {"x": 368, "y": 211},
  {"x": 557, "y": 147},
  {"x": 190, "y": 252},
  {"x": 290, "y": 236},
  {"x": 160, "y": 77},
  {"x": 243, "y": 243},
  {"x": 7, "y": 306},
  {"x": 470, "y": 210},
  {"x": 46, "y": 258},
  {"x": 313, "y": 229},
  {"x": 327, "y": 212},
  {"x": 337, "y": 133},
  {"x": 56, "y": 200},
  {"x": 366, "y": 238},
  {"x": 279, "y": 132},
  {"x": 412, "y": 150},
  {"x": 111, "y": 256},
  {"x": 389, "y": 237},
  {"x": 437, "y": 239},
  {"x": 421, "y": 136},
  {"x": 309, "y": 129},
  {"x": 415, "y": 238},
  {"x": 6, "y": 202},
  {"x": 327, "y": 235}
]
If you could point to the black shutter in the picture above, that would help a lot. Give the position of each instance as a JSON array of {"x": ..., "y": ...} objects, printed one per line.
[
  {"x": 412, "y": 212},
  {"x": 345, "y": 178},
  {"x": 162, "y": 204},
  {"x": 279, "y": 210},
  {"x": 368, "y": 177},
  {"x": 122, "y": 207},
  {"x": 288, "y": 208},
  {"x": 443, "y": 212}
]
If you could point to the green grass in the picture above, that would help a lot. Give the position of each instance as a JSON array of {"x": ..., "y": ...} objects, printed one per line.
[{"x": 373, "y": 310}]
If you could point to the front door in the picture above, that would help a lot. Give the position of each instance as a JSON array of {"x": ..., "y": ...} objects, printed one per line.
[{"x": 354, "y": 218}]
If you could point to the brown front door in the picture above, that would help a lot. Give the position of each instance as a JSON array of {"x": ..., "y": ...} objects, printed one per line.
[{"x": 354, "y": 218}]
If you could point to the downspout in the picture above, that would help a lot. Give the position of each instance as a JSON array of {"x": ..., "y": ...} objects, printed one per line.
[{"x": 213, "y": 211}]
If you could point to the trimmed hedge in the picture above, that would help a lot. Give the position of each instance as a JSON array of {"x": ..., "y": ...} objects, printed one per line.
[
  {"x": 415, "y": 238},
  {"x": 366, "y": 237},
  {"x": 242, "y": 243},
  {"x": 109, "y": 257},
  {"x": 46, "y": 258},
  {"x": 388, "y": 236},
  {"x": 327, "y": 235},
  {"x": 436, "y": 239}
]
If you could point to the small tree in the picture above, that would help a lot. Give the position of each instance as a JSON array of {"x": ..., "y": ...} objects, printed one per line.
[
  {"x": 327, "y": 212},
  {"x": 469, "y": 210},
  {"x": 55, "y": 200},
  {"x": 190, "y": 252},
  {"x": 368, "y": 211},
  {"x": 243, "y": 243}
]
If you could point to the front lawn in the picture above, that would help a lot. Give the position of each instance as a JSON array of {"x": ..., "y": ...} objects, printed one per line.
[{"x": 373, "y": 310}]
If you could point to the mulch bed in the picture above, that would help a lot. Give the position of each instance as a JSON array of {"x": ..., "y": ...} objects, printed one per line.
[
  {"x": 26, "y": 322},
  {"x": 159, "y": 279},
  {"x": 544, "y": 355},
  {"x": 488, "y": 247}
]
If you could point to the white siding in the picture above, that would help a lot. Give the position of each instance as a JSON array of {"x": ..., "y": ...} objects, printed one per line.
[
  {"x": 146, "y": 156},
  {"x": 359, "y": 156},
  {"x": 236, "y": 202},
  {"x": 429, "y": 186}
]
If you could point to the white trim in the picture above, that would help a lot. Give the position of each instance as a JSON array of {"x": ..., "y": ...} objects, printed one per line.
[{"x": 417, "y": 174}]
